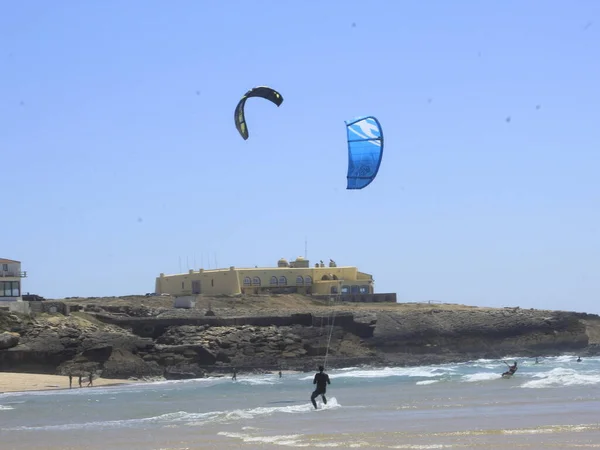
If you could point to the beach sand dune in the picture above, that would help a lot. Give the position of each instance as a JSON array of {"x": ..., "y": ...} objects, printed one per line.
[{"x": 17, "y": 382}]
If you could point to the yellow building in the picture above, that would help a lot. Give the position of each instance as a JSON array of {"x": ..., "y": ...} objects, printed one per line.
[{"x": 287, "y": 277}]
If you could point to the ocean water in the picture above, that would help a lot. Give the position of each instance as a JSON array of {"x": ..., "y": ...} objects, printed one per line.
[{"x": 553, "y": 404}]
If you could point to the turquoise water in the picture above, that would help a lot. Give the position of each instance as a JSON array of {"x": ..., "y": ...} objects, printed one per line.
[{"x": 552, "y": 404}]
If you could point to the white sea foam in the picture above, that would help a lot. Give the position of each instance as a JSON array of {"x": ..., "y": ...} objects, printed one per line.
[
  {"x": 559, "y": 377},
  {"x": 292, "y": 440},
  {"x": 480, "y": 376},
  {"x": 186, "y": 418},
  {"x": 412, "y": 372},
  {"x": 426, "y": 382}
]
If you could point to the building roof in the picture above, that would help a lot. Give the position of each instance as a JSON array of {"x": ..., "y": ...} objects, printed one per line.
[
  {"x": 264, "y": 269},
  {"x": 7, "y": 261}
]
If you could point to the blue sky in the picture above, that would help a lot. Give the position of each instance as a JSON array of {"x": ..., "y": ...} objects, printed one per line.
[{"x": 119, "y": 156}]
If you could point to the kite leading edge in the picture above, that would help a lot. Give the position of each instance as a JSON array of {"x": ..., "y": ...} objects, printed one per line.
[{"x": 260, "y": 91}]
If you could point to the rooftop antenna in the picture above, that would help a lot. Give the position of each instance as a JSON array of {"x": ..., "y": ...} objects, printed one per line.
[{"x": 305, "y": 248}]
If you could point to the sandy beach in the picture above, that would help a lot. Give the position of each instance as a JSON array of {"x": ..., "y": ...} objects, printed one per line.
[{"x": 18, "y": 382}]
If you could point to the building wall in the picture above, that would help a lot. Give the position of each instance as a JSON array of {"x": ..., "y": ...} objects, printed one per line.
[
  {"x": 10, "y": 280},
  {"x": 232, "y": 281},
  {"x": 213, "y": 282}
]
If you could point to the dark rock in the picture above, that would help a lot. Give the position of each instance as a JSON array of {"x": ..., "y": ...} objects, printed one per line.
[
  {"x": 8, "y": 340},
  {"x": 124, "y": 364},
  {"x": 183, "y": 371}
]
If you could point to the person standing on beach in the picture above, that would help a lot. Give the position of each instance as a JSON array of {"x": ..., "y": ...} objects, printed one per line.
[
  {"x": 80, "y": 381},
  {"x": 90, "y": 378},
  {"x": 70, "y": 380},
  {"x": 321, "y": 380}
]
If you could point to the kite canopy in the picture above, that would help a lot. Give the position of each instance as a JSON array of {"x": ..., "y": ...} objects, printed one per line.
[
  {"x": 260, "y": 91},
  {"x": 365, "y": 150}
]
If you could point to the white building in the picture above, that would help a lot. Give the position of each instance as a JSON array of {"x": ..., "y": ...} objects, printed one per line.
[{"x": 10, "y": 280}]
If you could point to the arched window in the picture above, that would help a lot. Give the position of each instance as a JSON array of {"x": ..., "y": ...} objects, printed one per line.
[
  {"x": 334, "y": 277},
  {"x": 307, "y": 280},
  {"x": 364, "y": 289},
  {"x": 256, "y": 281},
  {"x": 299, "y": 280},
  {"x": 345, "y": 289},
  {"x": 274, "y": 281},
  {"x": 247, "y": 281},
  {"x": 282, "y": 281},
  {"x": 325, "y": 277}
]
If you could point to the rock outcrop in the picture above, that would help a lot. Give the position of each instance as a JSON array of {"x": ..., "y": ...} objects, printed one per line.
[
  {"x": 123, "y": 338},
  {"x": 8, "y": 340}
]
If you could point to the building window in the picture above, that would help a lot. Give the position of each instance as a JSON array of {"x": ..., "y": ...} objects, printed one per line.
[
  {"x": 256, "y": 281},
  {"x": 182, "y": 285},
  {"x": 299, "y": 280},
  {"x": 307, "y": 280},
  {"x": 247, "y": 281},
  {"x": 282, "y": 281},
  {"x": 274, "y": 281},
  {"x": 364, "y": 289},
  {"x": 354, "y": 289},
  {"x": 10, "y": 289},
  {"x": 334, "y": 290},
  {"x": 345, "y": 289},
  {"x": 5, "y": 267},
  {"x": 325, "y": 278}
]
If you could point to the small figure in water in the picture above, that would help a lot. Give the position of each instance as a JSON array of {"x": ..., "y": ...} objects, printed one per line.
[
  {"x": 280, "y": 374},
  {"x": 511, "y": 370},
  {"x": 536, "y": 360},
  {"x": 234, "y": 377},
  {"x": 321, "y": 380},
  {"x": 579, "y": 359}
]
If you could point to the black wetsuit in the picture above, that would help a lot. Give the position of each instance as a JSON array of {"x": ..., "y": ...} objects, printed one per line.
[{"x": 321, "y": 380}]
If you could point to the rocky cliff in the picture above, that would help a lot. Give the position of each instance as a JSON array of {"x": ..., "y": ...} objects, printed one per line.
[{"x": 145, "y": 337}]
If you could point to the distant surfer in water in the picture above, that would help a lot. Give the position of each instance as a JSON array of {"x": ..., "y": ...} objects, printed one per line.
[
  {"x": 511, "y": 370},
  {"x": 321, "y": 380}
]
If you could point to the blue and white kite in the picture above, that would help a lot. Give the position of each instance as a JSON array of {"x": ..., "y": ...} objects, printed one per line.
[{"x": 365, "y": 150}]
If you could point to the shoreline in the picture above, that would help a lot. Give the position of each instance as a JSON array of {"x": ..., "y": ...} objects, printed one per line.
[
  {"x": 31, "y": 382},
  {"x": 19, "y": 382}
]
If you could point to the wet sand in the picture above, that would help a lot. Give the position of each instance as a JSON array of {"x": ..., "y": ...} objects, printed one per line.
[{"x": 19, "y": 382}]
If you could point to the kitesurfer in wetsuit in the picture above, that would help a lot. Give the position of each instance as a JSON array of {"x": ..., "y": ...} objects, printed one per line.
[
  {"x": 321, "y": 380},
  {"x": 511, "y": 369}
]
